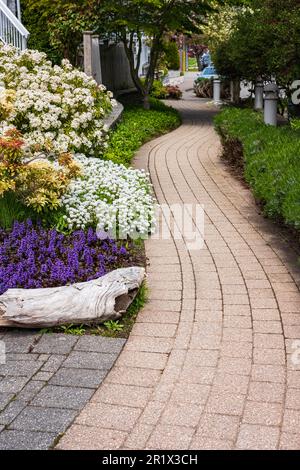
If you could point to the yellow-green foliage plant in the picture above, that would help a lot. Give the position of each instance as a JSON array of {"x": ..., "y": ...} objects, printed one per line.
[{"x": 35, "y": 182}]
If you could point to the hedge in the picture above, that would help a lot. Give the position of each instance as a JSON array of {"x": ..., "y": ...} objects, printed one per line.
[{"x": 271, "y": 160}]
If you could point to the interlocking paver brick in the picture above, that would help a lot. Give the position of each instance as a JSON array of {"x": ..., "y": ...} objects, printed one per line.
[
  {"x": 103, "y": 415},
  {"x": 55, "y": 344},
  {"x": 11, "y": 411},
  {"x": 190, "y": 393},
  {"x": 293, "y": 379},
  {"x": 235, "y": 365},
  {"x": 138, "y": 437},
  {"x": 78, "y": 378},
  {"x": 289, "y": 441},
  {"x": 229, "y": 383},
  {"x": 267, "y": 326},
  {"x": 30, "y": 391},
  {"x": 158, "y": 317},
  {"x": 126, "y": 395},
  {"x": 53, "y": 363},
  {"x": 5, "y": 398},
  {"x": 62, "y": 397},
  {"x": 265, "y": 314},
  {"x": 218, "y": 426},
  {"x": 170, "y": 437},
  {"x": 265, "y": 341},
  {"x": 225, "y": 403},
  {"x": 12, "y": 384},
  {"x": 243, "y": 310},
  {"x": 134, "y": 376},
  {"x": 20, "y": 368},
  {"x": 91, "y": 438},
  {"x": 89, "y": 360},
  {"x": 19, "y": 341},
  {"x": 194, "y": 374},
  {"x": 202, "y": 357},
  {"x": 25, "y": 440},
  {"x": 53, "y": 420},
  {"x": 291, "y": 421},
  {"x": 99, "y": 344},
  {"x": 152, "y": 412},
  {"x": 236, "y": 349},
  {"x": 237, "y": 334},
  {"x": 268, "y": 373},
  {"x": 266, "y": 392},
  {"x": 143, "y": 360},
  {"x": 43, "y": 376},
  {"x": 253, "y": 437},
  {"x": 293, "y": 398},
  {"x": 156, "y": 330},
  {"x": 235, "y": 321},
  {"x": 182, "y": 414},
  {"x": 206, "y": 443},
  {"x": 267, "y": 414},
  {"x": 269, "y": 356}
]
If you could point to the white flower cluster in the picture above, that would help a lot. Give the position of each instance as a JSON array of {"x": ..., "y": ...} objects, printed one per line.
[
  {"x": 116, "y": 199},
  {"x": 57, "y": 107}
]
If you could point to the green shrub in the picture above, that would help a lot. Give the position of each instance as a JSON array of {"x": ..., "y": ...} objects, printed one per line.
[
  {"x": 272, "y": 160},
  {"x": 172, "y": 56},
  {"x": 137, "y": 127},
  {"x": 203, "y": 87},
  {"x": 159, "y": 91},
  {"x": 174, "y": 92}
]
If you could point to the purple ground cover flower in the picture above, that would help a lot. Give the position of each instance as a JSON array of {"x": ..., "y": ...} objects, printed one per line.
[{"x": 32, "y": 257}]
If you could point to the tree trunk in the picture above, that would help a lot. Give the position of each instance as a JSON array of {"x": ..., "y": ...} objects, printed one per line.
[
  {"x": 146, "y": 101},
  {"x": 236, "y": 91}
]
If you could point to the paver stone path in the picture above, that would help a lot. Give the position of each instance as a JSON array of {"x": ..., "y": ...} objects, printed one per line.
[{"x": 210, "y": 362}]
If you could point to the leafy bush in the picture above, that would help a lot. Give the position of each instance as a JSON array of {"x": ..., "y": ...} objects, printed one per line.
[
  {"x": 137, "y": 127},
  {"x": 32, "y": 257},
  {"x": 174, "y": 92},
  {"x": 295, "y": 123},
  {"x": 34, "y": 182},
  {"x": 271, "y": 160},
  {"x": 203, "y": 87},
  {"x": 54, "y": 107},
  {"x": 172, "y": 55},
  {"x": 158, "y": 90}
]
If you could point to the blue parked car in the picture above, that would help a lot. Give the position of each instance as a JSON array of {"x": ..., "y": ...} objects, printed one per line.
[{"x": 209, "y": 72}]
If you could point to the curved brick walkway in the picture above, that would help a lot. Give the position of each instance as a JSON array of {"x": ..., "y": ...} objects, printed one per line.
[{"x": 208, "y": 364}]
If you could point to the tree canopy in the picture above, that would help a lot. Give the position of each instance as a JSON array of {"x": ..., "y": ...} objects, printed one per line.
[
  {"x": 57, "y": 26},
  {"x": 265, "y": 41}
]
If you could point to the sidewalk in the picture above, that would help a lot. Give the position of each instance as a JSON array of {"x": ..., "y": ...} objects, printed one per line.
[{"x": 208, "y": 364}]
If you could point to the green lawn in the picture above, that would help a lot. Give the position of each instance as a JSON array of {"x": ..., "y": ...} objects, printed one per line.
[
  {"x": 139, "y": 126},
  {"x": 193, "y": 66}
]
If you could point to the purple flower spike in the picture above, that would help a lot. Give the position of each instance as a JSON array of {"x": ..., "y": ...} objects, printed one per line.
[{"x": 33, "y": 257}]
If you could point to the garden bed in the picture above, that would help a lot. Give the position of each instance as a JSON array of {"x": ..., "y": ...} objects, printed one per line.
[
  {"x": 268, "y": 158},
  {"x": 71, "y": 210}
]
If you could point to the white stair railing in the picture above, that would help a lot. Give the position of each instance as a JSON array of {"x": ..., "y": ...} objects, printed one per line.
[{"x": 11, "y": 29}]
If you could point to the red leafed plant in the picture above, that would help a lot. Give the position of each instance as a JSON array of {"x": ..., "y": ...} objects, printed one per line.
[{"x": 174, "y": 92}]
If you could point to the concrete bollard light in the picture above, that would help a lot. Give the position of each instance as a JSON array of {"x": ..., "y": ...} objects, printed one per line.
[
  {"x": 259, "y": 95},
  {"x": 271, "y": 101},
  {"x": 217, "y": 91}
]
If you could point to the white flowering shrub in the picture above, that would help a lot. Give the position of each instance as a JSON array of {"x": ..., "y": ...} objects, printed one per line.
[
  {"x": 55, "y": 107},
  {"x": 116, "y": 199}
]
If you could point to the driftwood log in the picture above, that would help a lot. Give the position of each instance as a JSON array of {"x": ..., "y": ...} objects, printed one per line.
[{"x": 97, "y": 301}]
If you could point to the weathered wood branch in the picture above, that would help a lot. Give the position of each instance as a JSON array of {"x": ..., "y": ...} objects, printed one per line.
[{"x": 97, "y": 301}]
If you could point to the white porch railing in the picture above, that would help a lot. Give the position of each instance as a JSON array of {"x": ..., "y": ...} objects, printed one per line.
[{"x": 11, "y": 29}]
